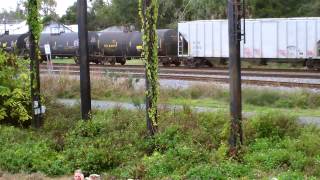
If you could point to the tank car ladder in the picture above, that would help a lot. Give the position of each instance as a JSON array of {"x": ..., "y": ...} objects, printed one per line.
[{"x": 180, "y": 46}]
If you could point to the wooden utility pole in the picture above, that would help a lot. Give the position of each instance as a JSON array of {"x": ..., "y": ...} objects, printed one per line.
[
  {"x": 84, "y": 59},
  {"x": 34, "y": 29},
  {"x": 149, "y": 16},
  {"x": 234, "y": 19}
]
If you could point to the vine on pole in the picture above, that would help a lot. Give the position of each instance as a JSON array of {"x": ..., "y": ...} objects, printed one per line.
[
  {"x": 148, "y": 11},
  {"x": 35, "y": 28}
]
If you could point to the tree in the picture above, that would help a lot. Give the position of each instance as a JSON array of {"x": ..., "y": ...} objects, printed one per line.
[
  {"x": 48, "y": 11},
  {"x": 311, "y": 8},
  {"x": 10, "y": 16},
  {"x": 20, "y": 12},
  {"x": 169, "y": 13},
  {"x": 71, "y": 15},
  {"x": 101, "y": 15},
  {"x": 148, "y": 10},
  {"x": 125, "y": 12},
  {"x": 48, "y": 7},
  {"x": 276, "y": 9},
  {"x": 104, "y": 13}
]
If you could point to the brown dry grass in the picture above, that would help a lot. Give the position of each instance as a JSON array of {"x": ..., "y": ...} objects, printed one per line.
[{"x": 102, "y": 87}]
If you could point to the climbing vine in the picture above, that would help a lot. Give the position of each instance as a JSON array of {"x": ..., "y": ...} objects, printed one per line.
[
  {"x": 34, "y": 23},
  {"x": 35, "y": 29},
  {"x": 148, "y": 12}
]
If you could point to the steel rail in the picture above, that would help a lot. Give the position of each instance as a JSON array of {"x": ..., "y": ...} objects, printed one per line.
[
  {"x": 112, "y": 69},
  {"x": 185, "y": 77}
]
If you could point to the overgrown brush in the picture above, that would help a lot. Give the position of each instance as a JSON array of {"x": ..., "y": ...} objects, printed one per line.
[
  {"x": 111, "y": 87},
  {"x": 188, "y": 145},
  {"x": 297, "y": 99},
  {"x": 15, "y": 101},
  {"x": 102, "y": 87}
]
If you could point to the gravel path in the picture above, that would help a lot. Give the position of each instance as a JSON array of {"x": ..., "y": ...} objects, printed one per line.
[{"x": 103, "y": 105}]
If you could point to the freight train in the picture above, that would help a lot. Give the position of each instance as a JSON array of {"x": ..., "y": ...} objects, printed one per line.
[
  {"x": 288, "y": 40},
  {"x": 194, "y": 43},
  {"x": 104, "y": 47}
]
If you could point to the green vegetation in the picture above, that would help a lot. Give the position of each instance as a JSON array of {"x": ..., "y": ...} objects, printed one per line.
[
  {"x": 104, "y": 14},
  {"x": 63, "y": 61},
  {"x": 188, "y": 146},
  {"x": 148, "y": 12},
  {"x": 134, "y": 62},
  {"x": 14, "y": 90},
  {"x": 299, "y": 102}
]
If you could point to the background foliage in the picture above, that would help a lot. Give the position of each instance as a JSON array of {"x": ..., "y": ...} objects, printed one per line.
[
  {"x": 103, "y": 13},
  {"x": 14, "y": 89},
  {"x": 110, "y": 13}
]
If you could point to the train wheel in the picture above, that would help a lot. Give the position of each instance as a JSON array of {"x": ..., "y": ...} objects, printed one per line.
[
  {"x": 312, "y": 64},
  {"x": 177, "y": 63},
  {"x": 103, "y": 61},
  {"x": 123, "y": 62},
  {"x": 223, "y": 61},
  {"x": 76, "y": 60},
  {"x": 112, "y": 63},
  {"x": 166, "y": 64}
]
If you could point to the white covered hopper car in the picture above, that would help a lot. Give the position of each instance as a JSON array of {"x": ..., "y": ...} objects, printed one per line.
[{"x": 277, "y": 39}]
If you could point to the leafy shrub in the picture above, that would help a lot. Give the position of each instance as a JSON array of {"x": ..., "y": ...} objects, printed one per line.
[
  {"x": 14, "y": 90},
  {"x": 292, "y": 175},
  {"x": 167, "y": 139},
  {"x": 165, "y": 165},
  {"x": 272, "y": 124},
  {"x": 22, "y": 151},
  {"x": 271, "y": 98},
  {"x": 188, "y": 145},
  {"x": 85, "y": 149},
  {"x": 223, "y": 171},
  {"x": 205, "y": 171},
  {"x": 261, "y": 98}
]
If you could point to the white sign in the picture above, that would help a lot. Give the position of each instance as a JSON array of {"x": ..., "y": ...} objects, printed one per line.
[{"x": 47, "y": 49}]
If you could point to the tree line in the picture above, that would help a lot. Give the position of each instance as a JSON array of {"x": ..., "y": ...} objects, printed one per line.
[
  {"x": 105, "y": 13},
  {"x": 123, "y": 12}
]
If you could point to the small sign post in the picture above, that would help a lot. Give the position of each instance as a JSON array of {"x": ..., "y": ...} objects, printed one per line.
[{"x": 48, "y": 56}]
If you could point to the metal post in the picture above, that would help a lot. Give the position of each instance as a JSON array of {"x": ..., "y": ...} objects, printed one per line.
[
  {"x": 35, "y": 78},
  {"x": 84, "y": 59},
  {"x": 4, "y": 21},
  {"x": 5, "y": 25},
  {"x": 234, "y": 19}
]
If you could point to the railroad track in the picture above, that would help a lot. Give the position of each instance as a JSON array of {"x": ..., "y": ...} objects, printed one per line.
[
  {"x": 262, "y": 78},
  {"x": 195, "y": 68}
]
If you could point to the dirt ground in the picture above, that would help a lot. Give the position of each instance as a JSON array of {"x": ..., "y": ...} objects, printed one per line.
[{"x": 36, "y": 176}]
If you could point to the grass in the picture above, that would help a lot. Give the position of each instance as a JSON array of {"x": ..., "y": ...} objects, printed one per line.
[
  {"x": 188, "y": 146},
  {"x": 211, "y": 103},
  {"x": 63, "y": 61},
  {"x": 302, "y": 102},
  {"x": 134, "y": 62}
]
